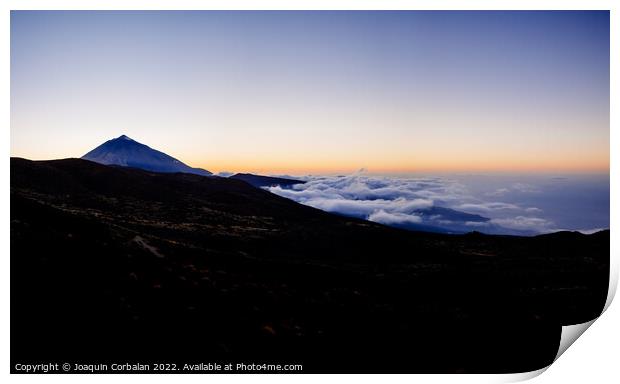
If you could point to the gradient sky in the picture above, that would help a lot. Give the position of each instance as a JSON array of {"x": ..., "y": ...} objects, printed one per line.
[{"x": 294, "y": 92}]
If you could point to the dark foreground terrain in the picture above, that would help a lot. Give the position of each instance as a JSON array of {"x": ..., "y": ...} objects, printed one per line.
[{"x": 111, "y": 263}]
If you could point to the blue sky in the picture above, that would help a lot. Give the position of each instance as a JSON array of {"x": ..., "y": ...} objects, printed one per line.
[{"x": 322, "y": 92}]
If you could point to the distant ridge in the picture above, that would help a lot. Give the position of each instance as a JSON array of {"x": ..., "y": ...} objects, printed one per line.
[
  {"x": 126, "y": 152},
  {"x": 265, "y": 181}
]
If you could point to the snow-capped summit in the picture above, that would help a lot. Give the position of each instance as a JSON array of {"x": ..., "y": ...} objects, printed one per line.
[{"x": 127, "y": 152}]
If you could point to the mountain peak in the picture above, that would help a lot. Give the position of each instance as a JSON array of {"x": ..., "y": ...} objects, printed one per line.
[{"x": 127, "y": 152}]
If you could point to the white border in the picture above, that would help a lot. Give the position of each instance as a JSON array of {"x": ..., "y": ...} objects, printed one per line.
[{"x": 593, "y": 358}]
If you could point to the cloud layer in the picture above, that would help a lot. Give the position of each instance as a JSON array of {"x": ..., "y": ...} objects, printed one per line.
[{"x": 420, "y": 203}]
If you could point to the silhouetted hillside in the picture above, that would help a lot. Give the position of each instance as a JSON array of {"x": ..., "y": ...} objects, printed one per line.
[
  {"x": 118, "y": 263},
  {"x": 265, "y": 181}
]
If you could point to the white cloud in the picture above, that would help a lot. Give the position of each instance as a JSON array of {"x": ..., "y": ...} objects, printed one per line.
[
  {"x": 498, "y": 192},
  {"x": 524, "y": 223},
  {"x": 525, "y": 188},
  {"x": 387, "y": 218},
  {"x": 364, "y": 208},
  {"x": 515, "y": 187},
  {"x": 590, "y": 231},
  {"x": 487, "y": 207},
  {"x": 411, "y": 201},
  {"x": 477, "y": 223},
  {"x": 533, "y": 210},
  {"x": 587, "y": 231}
]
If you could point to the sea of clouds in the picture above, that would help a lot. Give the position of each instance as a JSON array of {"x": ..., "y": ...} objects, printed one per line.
[{"x": 419, "y": 202}]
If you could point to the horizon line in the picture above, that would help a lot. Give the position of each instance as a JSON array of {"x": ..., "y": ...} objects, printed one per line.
[{"x": 304, "y": 171}]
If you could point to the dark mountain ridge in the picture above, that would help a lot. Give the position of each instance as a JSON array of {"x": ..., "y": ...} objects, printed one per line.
[
  {"x": 260, "y": 181},
  {"x": 121, "y": 263}
]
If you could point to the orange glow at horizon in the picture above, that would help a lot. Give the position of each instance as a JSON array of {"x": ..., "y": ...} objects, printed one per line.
[
  {"x": 390, "y": 158},
  {"x": 599, "y": 164}
]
